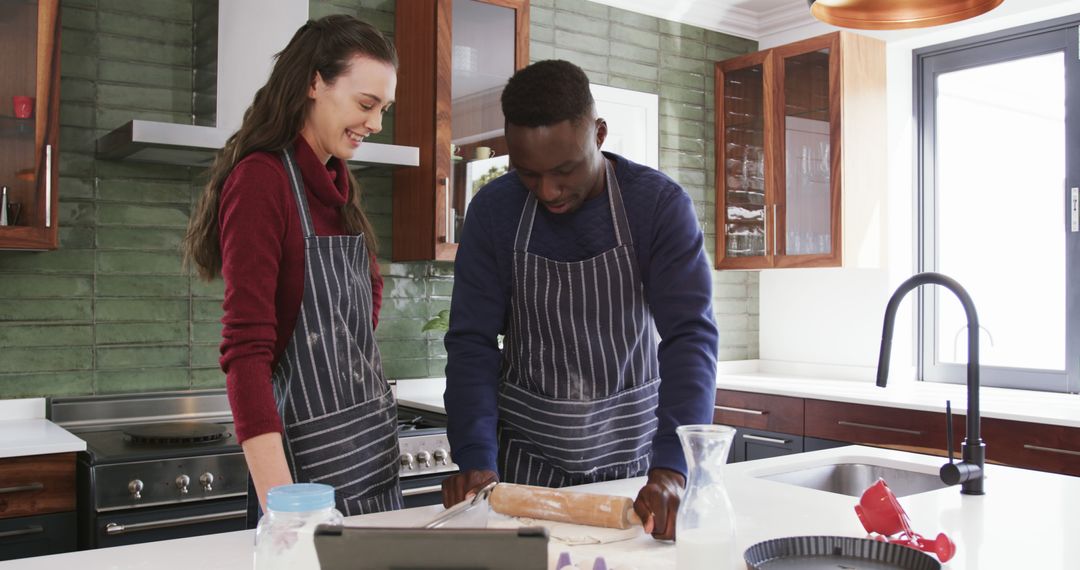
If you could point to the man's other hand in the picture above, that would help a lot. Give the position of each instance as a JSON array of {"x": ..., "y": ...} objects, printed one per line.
[
  {"x": 464, "y": 485},
  {"x": 658, "y": 502}
]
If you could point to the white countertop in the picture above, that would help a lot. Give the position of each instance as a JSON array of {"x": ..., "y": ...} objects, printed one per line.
[
  {"x": 1027, "y": 519},
  {"x": 838, "y": 384},
  {"x": 422, "y": 393},
  {"x": 25, "y": 431}
]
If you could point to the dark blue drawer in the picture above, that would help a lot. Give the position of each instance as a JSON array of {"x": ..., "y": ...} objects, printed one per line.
[{"x": 37, "y": 535}]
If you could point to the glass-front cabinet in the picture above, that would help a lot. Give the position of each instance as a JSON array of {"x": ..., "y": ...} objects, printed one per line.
[
  {"x": 744, "y": 196},
  {"x": 29, "y": 125},
  {"x": 786, "y": 152},
  {"x": 455, "y": 57}
]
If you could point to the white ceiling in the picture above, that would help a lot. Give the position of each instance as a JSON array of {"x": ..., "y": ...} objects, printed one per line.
[{"x": 744, "y": 18}]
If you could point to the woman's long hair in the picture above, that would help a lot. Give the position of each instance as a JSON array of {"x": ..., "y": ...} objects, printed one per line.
[{"x": 275, "y": 118}]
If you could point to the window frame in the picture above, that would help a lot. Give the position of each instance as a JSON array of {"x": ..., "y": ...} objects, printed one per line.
[{"x": 1060, "y": 34}]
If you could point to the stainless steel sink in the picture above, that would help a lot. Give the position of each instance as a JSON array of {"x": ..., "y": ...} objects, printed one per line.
[{"x": 853, "y": 478}]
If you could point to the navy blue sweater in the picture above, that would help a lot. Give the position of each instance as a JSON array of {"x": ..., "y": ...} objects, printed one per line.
[{"x": 678, "y": 288}]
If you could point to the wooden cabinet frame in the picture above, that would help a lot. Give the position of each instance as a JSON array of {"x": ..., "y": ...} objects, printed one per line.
[
  {"x": 41, "y": 231},
  {"x": 856, "y": 86},
  {"x": 834, "y": 258},
  {"x": 422, "y": 119}
]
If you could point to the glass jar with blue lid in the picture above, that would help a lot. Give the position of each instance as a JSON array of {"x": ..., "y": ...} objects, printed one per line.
[{"x": 285, "y": 537}]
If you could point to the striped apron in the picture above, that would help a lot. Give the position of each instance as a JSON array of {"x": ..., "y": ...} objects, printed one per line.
[
  {"x": 339, "y": 413},
  {"x": 580, "y": 377}
]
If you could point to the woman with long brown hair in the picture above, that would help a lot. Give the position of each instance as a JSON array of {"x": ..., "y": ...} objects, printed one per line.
[{"x": 280, "y": 220}]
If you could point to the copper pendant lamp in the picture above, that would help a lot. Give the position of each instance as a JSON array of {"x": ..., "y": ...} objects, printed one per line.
[{"x": 897, "y": 14}]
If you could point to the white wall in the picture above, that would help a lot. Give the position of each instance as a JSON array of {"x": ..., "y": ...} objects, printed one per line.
[{"x": 834, "y": 316}]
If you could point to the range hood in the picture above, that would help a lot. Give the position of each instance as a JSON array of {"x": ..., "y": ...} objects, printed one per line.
[{"x": 249, "y": 34}]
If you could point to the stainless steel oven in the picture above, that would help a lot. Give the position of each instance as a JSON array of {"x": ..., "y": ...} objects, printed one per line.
[
  {"x": 156, "y": 466},
  {"x": 425, "y": 456},
  {"x": 167, "y": 465}
]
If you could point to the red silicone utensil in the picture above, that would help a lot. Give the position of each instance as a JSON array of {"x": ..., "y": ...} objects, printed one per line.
[
  {"x": 882, "y": 516},
  {"x": 879, "y": 511}
]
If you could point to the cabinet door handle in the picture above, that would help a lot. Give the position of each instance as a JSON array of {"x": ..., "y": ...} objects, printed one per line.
[
  {"x": 116, "y": 528},
  {"x": 774, "y": 246},
  {"x": 421, "y": 490},
  {"x": 21, "y": 488},
  {"x": 740, "y": 410},
  {"x": 765, "y": 230},
  {"x": 32, "y": 529},
  {"x": 48, "y": 185},
  {"x": 882, "y": 428},
  {"x": 444, "y": 181},
  {"x": 1050, "y": 449},
  {"x": 766, "y": 439}
]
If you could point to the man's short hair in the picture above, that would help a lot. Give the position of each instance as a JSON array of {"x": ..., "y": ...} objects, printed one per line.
[{"x": 545, "y": 93}]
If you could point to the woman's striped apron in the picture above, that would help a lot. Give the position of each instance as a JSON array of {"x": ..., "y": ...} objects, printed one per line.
[{"x": 339, "y": 414}]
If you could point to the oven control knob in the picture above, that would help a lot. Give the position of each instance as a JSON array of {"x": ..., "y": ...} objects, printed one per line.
[
  {"x": 135, "y": 487},
  {"x": 207, "y": 481},
  {"x": 423, "y": 458},
  {"x": 182, "y": 483},
  {"x": 406, "y": 461},
  {"x": 441, "y": 456}
]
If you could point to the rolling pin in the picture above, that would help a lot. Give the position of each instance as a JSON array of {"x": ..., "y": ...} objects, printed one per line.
[{"x": 563, "y": 506}]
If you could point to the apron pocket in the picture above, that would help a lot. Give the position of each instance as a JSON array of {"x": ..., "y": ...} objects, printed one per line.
[
  {"x": 355, "y": 449},
  {"x": 584, "y": 436}
]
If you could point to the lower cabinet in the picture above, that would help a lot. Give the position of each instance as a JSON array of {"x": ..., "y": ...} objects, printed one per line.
[
  {"x": 751, "y": 444},
  {"x": 22, "y": 537},
  {"x": 817, "y": 443},
  {"x": 881, "y": 426},
  {"x": 769, "y": 425},
  {"x": 1033, "y": 446},
  {"x": 37, "y": 505}
]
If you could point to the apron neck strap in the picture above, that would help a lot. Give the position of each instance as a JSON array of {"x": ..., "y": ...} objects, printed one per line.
[{"x": 298, "y": 191}]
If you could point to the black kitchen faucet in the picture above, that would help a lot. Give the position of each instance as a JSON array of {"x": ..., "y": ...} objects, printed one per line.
[{"x": 969, "y": 472}]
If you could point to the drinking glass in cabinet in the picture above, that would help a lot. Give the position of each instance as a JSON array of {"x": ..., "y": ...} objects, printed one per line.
[{"x": 743, "y": 241}]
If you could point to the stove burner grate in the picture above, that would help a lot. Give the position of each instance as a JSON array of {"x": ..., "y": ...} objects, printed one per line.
[{"x": 175, "y": 433}]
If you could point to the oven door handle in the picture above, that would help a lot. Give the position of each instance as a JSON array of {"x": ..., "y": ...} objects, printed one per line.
[
  {"x": 421, "y": 490},
  {"x": 113, "y": 529}
]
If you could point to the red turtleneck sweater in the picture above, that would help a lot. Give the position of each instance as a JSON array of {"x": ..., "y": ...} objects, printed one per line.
[{"x": 262, "y": 254}]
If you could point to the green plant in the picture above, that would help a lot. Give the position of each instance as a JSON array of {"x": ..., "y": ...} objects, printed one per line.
[{"x": 441, "y": 322}]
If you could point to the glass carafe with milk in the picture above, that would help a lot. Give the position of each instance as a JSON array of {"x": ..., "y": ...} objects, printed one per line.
[
  {"x": 285, "y": 537},
  {"x": 706, "y": 522}
]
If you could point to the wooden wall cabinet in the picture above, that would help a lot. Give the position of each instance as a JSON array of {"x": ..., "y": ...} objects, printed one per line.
[
  {"x": 800, "y": 155},
  {"x": 442, "y": 78},
  {"x": 30, "y": 58},
  {"x": 37, "y": 505}
]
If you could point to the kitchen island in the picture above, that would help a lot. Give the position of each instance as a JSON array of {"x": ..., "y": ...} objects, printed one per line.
[{"x": 1027, "y": 519}]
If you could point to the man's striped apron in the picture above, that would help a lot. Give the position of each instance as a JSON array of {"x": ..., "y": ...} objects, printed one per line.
[{"x": 580, "y": 379}]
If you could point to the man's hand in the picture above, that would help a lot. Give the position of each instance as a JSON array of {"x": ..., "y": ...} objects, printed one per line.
[
  {"x": 464, "y": 485},
  {"x": 658, "y": 502}
]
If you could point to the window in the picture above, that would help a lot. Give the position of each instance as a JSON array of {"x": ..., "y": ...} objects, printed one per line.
[{"x": 998, "y": 158}]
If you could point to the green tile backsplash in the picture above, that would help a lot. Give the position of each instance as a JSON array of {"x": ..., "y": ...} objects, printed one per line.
[{"x": 113, "y": 311}]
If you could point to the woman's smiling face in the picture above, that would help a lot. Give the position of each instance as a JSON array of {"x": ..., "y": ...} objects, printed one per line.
[{"x": 351, "y": 108}]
